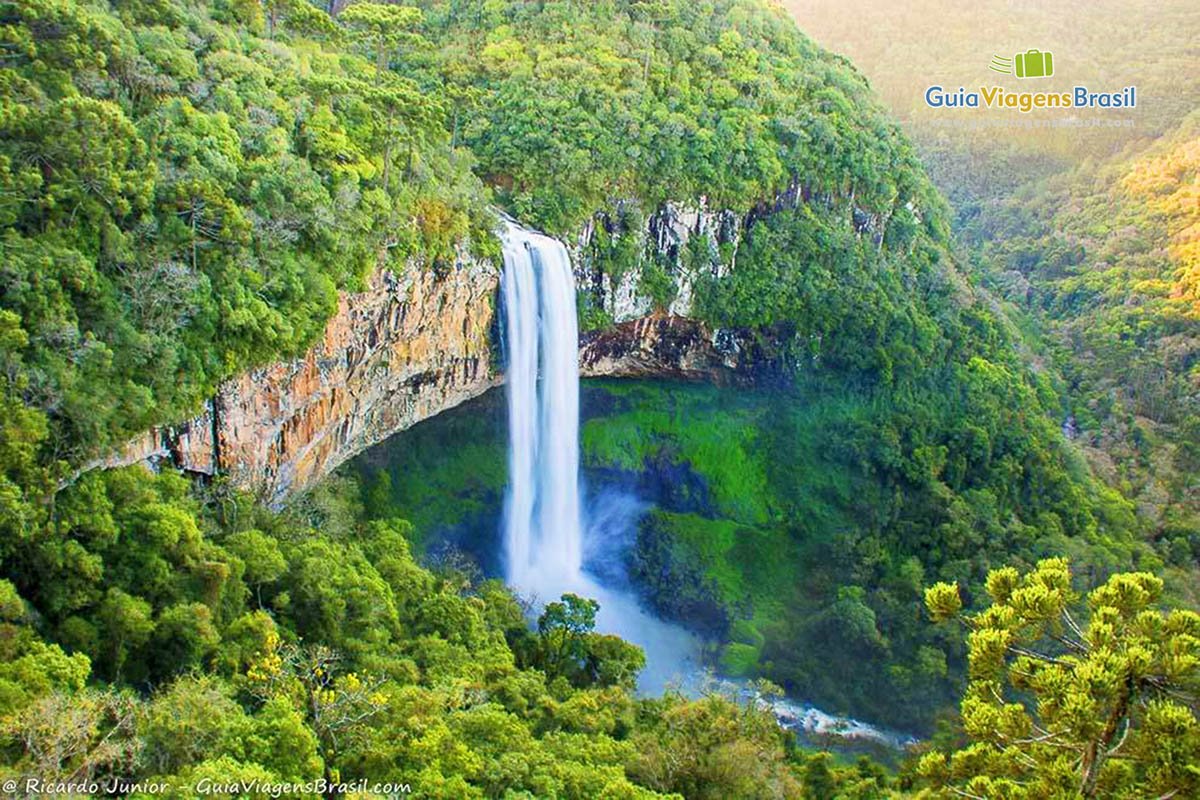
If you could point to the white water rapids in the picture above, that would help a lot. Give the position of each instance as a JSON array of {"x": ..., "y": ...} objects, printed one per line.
[{"x": 544, "y": 525}]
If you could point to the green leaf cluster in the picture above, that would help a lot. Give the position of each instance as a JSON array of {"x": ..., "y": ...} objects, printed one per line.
[{"x": 1065, "y": 702}]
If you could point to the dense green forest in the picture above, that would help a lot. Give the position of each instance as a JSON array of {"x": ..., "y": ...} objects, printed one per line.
[
  {"x": 183, "y": 194},
  {"x": 185, "y": 186},
  {"x": 1088, "y": 233}
]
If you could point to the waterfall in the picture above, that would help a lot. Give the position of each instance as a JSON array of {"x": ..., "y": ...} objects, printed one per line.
[
  {"x": 543, "y": 526},
  {"x": 544, "y": 523},
  {"x": 543, "y": 517}
]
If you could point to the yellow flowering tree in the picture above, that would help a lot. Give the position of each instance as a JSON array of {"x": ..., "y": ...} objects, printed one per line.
[{"x": 335, "y": 704}]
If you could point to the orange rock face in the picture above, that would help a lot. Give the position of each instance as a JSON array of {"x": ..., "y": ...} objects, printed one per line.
[{"x": 400, "y": 352}]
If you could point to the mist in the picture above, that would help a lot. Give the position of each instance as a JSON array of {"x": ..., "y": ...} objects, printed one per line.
[{"x": 673, "y": 654}]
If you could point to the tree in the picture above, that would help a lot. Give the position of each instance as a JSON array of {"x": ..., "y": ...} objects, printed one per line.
[
  {"x": 30, "y": 668},
  {"x": 1060, "y": 707},
  {"x": 90, "y": 735},
  {"x": 563, "y": 628},
  {"x": 299, "y": 14},
  {"x": 612, "y": 661},
  {"x": 184, "y": 638},
  {"x": 383, "y": 28},
  {"x": 187, "y": 722},
  {"x": 714, "y": 747},
  {"x": 265, "y": 562},
  {"x": 246, "y": 778},
  {"x": 335, "y": 706},
  {"x": 400, "y": 99},
  {"x": 651, "y": 13},
  {"x": 126, "y": 623}
]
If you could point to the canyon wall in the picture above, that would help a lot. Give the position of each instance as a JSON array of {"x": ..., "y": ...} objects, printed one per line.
[
  {"x": 414, "y": 345},
  {"x": 403, "y": 350}
]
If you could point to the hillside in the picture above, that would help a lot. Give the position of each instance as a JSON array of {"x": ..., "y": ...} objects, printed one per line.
[
  {"x": 1088, "y": 232},
  {"x": 242, "y": 167},
  {"x": 1104, "y": 258}
]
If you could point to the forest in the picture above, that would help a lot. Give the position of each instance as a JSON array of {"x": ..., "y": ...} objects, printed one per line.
[
  {"x": 1088, "y": 236},
  {"x": 185, "y": 188}
]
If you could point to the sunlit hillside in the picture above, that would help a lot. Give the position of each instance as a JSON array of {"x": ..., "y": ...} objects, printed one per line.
[{"x": 904, "y": 47}]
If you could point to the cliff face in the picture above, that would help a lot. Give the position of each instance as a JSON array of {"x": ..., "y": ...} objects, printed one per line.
[
  {"x": 412, "y": 346},
  {"x": 666, "y": 346},
  {"x": 668, "y": 230},
  {"x": 400, "y": 352}
]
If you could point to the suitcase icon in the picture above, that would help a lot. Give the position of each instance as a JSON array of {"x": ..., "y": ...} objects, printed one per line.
[{"x": 1034, "y": 64}]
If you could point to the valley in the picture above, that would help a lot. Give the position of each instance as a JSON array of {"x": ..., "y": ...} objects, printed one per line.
[{"x": 631, "y": 399}]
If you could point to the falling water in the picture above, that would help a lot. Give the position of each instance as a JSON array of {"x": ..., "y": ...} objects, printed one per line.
[
  {"x": 543, "y": 520},
  {"x": 543, "y": 527}
]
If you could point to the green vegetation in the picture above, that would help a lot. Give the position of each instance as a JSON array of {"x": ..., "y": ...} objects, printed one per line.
[
  {"x": 209, "y": 637},
  {"x": 445, "y": 474},
  {"x": 799, "y": 525},
  {"x": 1105, "y": 260},
  {"x": 1088, "y": 234},
  {"x": 184, "y": 188},
  {"x": 1113, "y": 695},
  {"x": 187, "y": 185},
  {"x": 570, "y": 104},
  {"x": 796, "y": 527},
  {"x": 182, "y": 193}
]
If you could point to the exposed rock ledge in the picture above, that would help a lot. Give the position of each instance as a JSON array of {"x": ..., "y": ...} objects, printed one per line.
[
  {"x": 664, "y": 346},
  {"x": 398, "y": 353},
  {"x": 406, "y": 349}
]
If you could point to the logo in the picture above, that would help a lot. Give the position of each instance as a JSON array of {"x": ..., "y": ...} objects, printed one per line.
[
  {"x": 1030, "y": 64},
  {"x": 1033, "y": 63}
]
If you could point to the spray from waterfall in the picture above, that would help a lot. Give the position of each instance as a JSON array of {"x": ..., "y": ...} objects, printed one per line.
[{"x": 543, "y": 518}]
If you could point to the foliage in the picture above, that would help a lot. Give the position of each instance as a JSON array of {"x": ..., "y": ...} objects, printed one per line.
[
  {"x": 185, "y": 187},
  {"x": 350, "y": 662},
  {"x": 709, "y": 749},
  {"x": 568, "y": 647},
  {"x": 182, "y": 197},
  {"x": 670, "y": 100},
  {"x": 1087, "y": 232},
  {"x": 796, "y": 526},
  {"x": 1104, "y": 260},
  {"x": 1102, "y": 707}
]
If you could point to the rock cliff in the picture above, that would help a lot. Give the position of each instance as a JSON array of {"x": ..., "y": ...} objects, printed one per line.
[
  {"x": 665, "y": 346},
  {"x": 401, "y": 351},
  {"x": 412, "y": 346}
]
